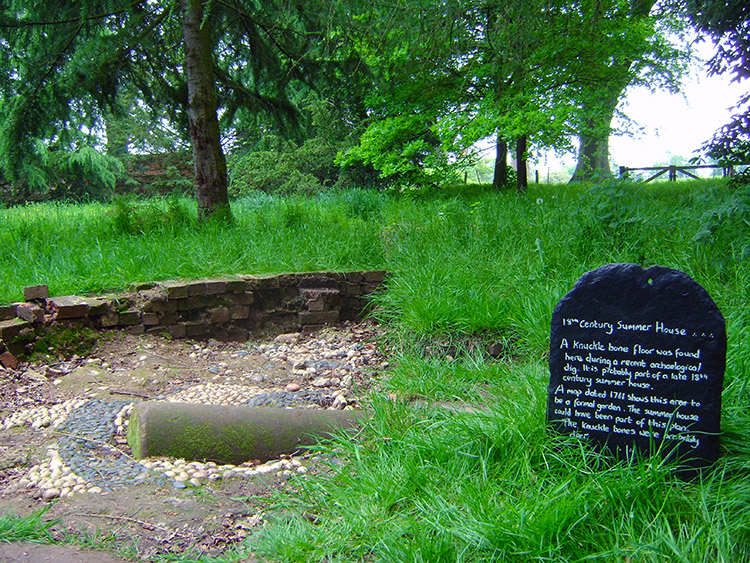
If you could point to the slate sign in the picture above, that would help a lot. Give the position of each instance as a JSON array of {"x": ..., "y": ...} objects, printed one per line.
[{"x": 637, "y": 360}]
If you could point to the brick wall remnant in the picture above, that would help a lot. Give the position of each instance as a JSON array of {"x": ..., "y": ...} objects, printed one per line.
[{"x": 225, "y": 308}]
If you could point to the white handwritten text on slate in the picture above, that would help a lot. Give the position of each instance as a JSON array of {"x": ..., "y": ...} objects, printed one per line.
[{"x": 608, "y": 386}]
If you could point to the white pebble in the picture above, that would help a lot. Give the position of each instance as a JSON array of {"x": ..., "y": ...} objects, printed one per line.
[{"x": 51, "y": 493}]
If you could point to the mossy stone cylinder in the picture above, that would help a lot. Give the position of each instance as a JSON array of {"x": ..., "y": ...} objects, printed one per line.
[{"x": 228, "y": 434}]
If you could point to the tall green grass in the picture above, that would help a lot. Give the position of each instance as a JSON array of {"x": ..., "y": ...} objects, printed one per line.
[
  {"x": 467, "y": 269},
  {"x": 25, "y": 528}
]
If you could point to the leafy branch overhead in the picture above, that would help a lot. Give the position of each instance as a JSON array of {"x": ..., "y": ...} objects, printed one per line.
[{"x": 410, "y": 87}]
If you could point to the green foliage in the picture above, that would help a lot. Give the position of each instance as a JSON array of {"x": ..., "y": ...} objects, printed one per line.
[
  {"x": 29, "y": 528},
  {"x": 82, "y": 174},
  {"x": 131, "y": 216},
  {"x": 303, "y": 170},
  {"x": 727, "y": 23},
  {"x": 404, "y": 150},
  {"x": 63, "y": 341},
  {"x": 725, "y": 228},
  {"x": 277, "y": 166}
]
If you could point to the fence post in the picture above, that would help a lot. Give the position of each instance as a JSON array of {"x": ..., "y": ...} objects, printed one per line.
[
  {"x": 623, "y": 171},
  {"x": 672, "y": 173}
]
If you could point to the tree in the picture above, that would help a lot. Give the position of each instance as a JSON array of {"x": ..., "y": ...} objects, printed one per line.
[
  {"x": 65, "y": 74},
  {"x": 452, "y": 73},
  {"x": 728, "y": 24},
  {"x": 622, "y": 43},
  {"x": 208, "y": 156},
  {"x": 531, "y": 73}
]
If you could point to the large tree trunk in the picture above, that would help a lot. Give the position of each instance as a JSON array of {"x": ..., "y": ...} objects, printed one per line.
[
  {"x": 500, "y": 178},
  {"x": 208, "y": 156},
  {"x": 593, "y": 149},
  {"x": 600, "y": 102},
  {"x": 521, "y": 169}
]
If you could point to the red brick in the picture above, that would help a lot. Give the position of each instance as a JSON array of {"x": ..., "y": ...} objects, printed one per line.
[
  {"x": 12, "y": 328},
  {"x": 150, "y": 319},
  {"x": 34, "y": 292},
  {"x": 214, "y": 287},
  {"x": 177, "y": 331},
  {"x": 129, "y": 318},
  {"x": 30, "y": 312},
  {"x": 175, "y": 289},
  {"x": 8, "y": 360},
  {"x": 196, "y": 288},
  {"x": 68, "y": 306},
  {"x": 318, "y": 317},
  {"x": 239, "y": 312},
  {"x": 219, "y": 315}
]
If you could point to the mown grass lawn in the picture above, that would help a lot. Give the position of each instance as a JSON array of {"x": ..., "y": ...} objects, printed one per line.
[{"x": 467, "y": 269}]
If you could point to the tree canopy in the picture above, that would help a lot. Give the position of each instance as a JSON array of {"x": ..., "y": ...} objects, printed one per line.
[
  {"x": 413, "y": 84},
  {"x": 728, "y": 24}
]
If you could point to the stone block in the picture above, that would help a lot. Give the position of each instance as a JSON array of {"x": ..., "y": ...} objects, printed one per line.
[
  {"x": 150, "y": 319},
  {"x": 239, "y": 312},
  {"x": 214, "y": 287},
  {"x": 68, "y": 307},
  {"x": 375, "y": 276},
  {"x": 197, "y": 302},
  {"x": 348, "y": 288},
  {"x": 177, "y": 331},
  {"x": 30, "y": 312},
  {"x": 135, "y": 329},
  {"x": 8, "y": 312},
  {"x": 196, "y": 288},
  {"x": 316, "y": 305},
  {"x": 162, "y": 306},
  {"x": 236, "y": 285},
  {"x": 8, "y": 360},
  {"x": 175, "y": 289},
  {"x": 318, "y": 317},
  {"x": 318, "y": 281},
  {"x": 129, "y": 318},
  {"x": 219, "y": 315},
  {"x": 241, "y": 298},
  {"x": 35, "y": 292},
  {"x": 272, "y": 281},
  {"x": 355, "y": 277},
  {"x": 12, "y": 328},
  {"x": 110, "y": 319},
  {"x": 229, "y": 434},
  {"x": 97, "y": 306},
  {"x": 197, "y": 329}
]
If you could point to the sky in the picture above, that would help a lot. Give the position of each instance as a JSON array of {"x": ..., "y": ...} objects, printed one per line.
[{"x": 670, "y": 124}]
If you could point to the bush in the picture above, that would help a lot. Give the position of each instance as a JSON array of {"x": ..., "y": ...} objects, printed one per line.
[
  {"x": 83, "y": 174},
  {"x": 305, "y": 169}
]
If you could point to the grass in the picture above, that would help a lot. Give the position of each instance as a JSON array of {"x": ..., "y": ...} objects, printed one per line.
[
  {"x": 25, "y": 528},
  {"x": 467, "y": 269}
]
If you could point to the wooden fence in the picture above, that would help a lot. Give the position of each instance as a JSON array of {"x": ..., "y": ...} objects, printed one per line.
[{"x": 673, "y": 169}]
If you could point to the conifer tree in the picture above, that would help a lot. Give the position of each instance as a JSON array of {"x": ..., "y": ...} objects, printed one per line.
[{"x": 67, "y": 64}]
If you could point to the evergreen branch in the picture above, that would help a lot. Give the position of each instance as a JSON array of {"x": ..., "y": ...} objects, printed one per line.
[{"x": 21, "y": 24}]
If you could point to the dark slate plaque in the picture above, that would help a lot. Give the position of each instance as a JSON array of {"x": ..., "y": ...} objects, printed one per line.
[{"x": 637, "y": 360}]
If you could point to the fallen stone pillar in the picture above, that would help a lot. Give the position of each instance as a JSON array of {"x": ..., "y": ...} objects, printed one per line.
[{"x": 228, "y": 434}]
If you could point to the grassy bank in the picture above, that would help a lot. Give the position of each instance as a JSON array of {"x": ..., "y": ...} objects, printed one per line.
[{"x": 424, "y": 484}]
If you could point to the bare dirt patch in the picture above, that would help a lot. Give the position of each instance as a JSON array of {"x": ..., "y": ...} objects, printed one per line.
[{"x": 336, "y": 366}]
